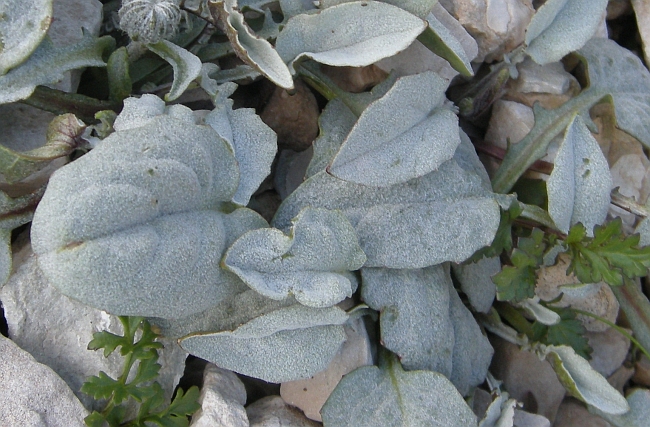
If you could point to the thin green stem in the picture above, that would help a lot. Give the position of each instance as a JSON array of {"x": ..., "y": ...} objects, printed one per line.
[{"x": 616, "y": 327}]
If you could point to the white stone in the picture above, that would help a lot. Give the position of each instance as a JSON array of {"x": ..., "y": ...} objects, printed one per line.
[
  {"x": 32, "y": 394},
  {"x": 310, "y": 394},
  {"x": 510, "y": 121},
  {"x": 498, "y": 26},
  {"x": 610, "y": 350},
  {"x": 272, "y": 411},
  {"x": 549, "y": 78},
  {"x": 417, "y": 58},
  {"x": 596, "y": 298},
  {"x": 222, "y": 400},
  {"x": 56, "y": 330},
  {"x": 572, "y": 413}
]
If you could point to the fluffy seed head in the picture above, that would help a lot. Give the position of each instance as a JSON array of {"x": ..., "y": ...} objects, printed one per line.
[{"x": 150, "y": 21}]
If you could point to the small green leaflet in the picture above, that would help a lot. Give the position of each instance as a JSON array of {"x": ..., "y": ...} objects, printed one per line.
[
  {"x": 503, "y": 237},
  {"x": 142, "y": 388},
  {"x": 609, "y": 256},
  {"x": 516, "y": 282},
  {"x": 569, "y": 331}
]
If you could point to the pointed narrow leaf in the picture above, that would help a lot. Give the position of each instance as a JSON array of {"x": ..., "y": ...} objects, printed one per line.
[
  {"x": 284, "y": 345},
  {"x": 186, "y": 65},
  {"x": 351, "y": 34},
  {"x": 22, "y": 28},
  {"x": 250, "y": 48},
  {"x": 48, "y": 63},
  {"x": 390, "y": 397},
  {"x": 439, "y": 40},
  {"x": 562, "y": 26},
  {"x": 583, "y": 382},
  {"x": 403, "y": 135},
  {"x": 617, "y": 71},
  {"x": 308, "y": 263},
  {"x": 580, "y": 184}
]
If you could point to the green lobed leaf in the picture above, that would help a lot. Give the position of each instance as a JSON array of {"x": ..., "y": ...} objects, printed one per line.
[
  {"x": 48, "y": 63},
  {"x": 186, "y": 66},
  {"x": 252, "y": 141},
  {"x": 352, "y": 34},
  {"x": 308, "y": 263},
  {"x": 445, "y": 215},
  {"x": 516, "y": 282},
  {"x": 250, "y": 48},
  {"x": 403, "y": 135},
  {"x": 157, "y": 247},
  {"x": 562, "y": 26},
  {"x": 617, "y": 71},
  {"x": 285, "y": 344},
  {"x": 390, "y": 397},
  {"x": 580, "y": 184},
  {"x": 610, "y": 255},
  {"x": 583, "y": 382},
  {"x": 568, "y": 331},
  {"x": 22, "y": 28}
]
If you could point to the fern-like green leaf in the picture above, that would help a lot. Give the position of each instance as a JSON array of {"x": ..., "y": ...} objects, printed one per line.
[{"x": 609, "y": 256}]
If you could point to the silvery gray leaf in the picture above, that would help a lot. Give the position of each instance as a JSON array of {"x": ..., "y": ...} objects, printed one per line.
[
  {"x": 580, "y": 184},
  {"x": 476, "y": 281},
  {"x": 186, "y": 66},
  {"x": 308, "y": 263},
  {"x": 283, "y": 345},
  {"x": 352, "y": 34},
  {"x": 562, "y": 26},
  {"x": 403, "y": 135}
]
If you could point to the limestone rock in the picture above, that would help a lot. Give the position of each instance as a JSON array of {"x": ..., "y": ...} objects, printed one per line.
[
  {"x": 526, "y": 419},
  {"x": 527, "y": 378},
  {"x": 549, "y": 78},
  {"x": 610, "y": 349},
  {"x": 572, "y": 413},
  {"x": 595, "y": 298},
  {"x": 310, "y": 394},
  {"x": 272, "y": 411},
  {"x": 355, "y": 79},
  {"x": 642, "y": 11},
  {"x": 32, "y": 394},
  {"x": 56, "y": 330},
  {"x": 642, "y": 372},
  {"x": 222, "y": 400},
  {"x": 497, "y": 25}
]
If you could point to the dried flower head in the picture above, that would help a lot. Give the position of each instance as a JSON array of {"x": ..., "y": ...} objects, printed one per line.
[{"x": 150, "y": 21}]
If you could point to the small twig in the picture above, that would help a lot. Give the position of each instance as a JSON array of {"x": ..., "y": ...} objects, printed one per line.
[
  {"x": 628, "y": 204},
  {"x": 498, "y": 153}
]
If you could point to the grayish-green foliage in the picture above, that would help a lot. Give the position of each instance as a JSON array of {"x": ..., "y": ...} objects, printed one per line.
[
  {"x": 127, "y": 228},
  {"x": 47, "y": 64},
  {"x": 475, "y": 281},
  {"x": 388, "y": 396},
  {"x": 580, "y": 184},
  {"x": 562, "y": 26},
  {"x": 309, "y": 263},
  {"x": 282, "y": 345},
  {"x": 437, "y": 38},
  {"x": 617, "y": 71},
  {"x": 424, "y": 322},
  {"x": 256, "y": 51},
  {"x": 186, "y": 65},
  {"x": 451, "y": 211},
  {"x": 22, "y": 28},
  {"x": 403, "y": 135},
  {"x": 253, "y": 142},
  {"x": 583, "y": 382},
  {"x": 353, "y": 34},
  {"x": 639, "y": 414}
]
